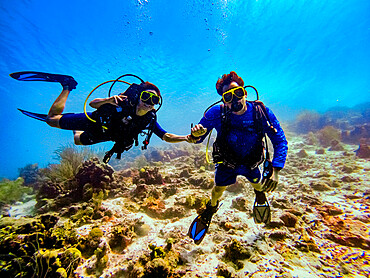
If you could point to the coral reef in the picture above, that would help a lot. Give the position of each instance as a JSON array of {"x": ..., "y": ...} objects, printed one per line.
[
  {"x": 30, "y": 174},
  {"x": 91, "y": 177},
  {"x": 133, "y": 221}
]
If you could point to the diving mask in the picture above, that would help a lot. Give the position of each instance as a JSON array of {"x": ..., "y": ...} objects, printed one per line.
[
  {"x": 149, "y": 98},
  {"x": 228, "y": 96}
]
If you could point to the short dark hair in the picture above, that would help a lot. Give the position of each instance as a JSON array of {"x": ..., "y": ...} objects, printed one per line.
[
  {"x": 226, "y": 79},
  {"x": 150, "y": 86}
]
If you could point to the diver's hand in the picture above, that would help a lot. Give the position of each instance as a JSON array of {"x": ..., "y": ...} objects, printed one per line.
[
  {"x": 271, "y": 184},
  {"x": 191, "y": 139},
  {"x": 117, "y": 98},
  {"x": 198, "y": 130}
]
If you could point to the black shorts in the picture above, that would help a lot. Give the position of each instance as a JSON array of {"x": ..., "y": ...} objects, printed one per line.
[
  {"x": 225, "y": 176},
  {"x": 78, "y": 121},
  {"x": 91, "y": 133}
]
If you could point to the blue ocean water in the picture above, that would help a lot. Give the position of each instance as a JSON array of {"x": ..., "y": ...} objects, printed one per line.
[{"x": 299, "y": 54}]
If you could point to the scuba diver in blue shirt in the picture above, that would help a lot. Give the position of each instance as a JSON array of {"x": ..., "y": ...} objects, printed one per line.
[
  {"x": 239, "y": 149},
  {"x": 118, "y": 118}
]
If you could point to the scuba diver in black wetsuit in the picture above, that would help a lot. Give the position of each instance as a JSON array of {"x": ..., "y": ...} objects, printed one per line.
[
  {"x": 239, "y": 148},
  {"x": 119, "y": 118}
]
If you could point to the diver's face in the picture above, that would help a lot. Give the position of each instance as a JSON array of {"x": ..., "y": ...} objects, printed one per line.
[
  {"x": 242, "y": 101},
  {"x": 143, "y": 108}
]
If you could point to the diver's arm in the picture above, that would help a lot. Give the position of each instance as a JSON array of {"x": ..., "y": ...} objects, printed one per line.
[
  {"x": 279, "y": 142},
  {"x": 169, "y": 137},
  {"x": 173, "y": 138},
  {"x": 96, "y": 103}
]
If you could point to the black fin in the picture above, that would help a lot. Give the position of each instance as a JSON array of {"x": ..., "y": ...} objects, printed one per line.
[
  {"x": 261, "y": 213},
  {"x": 40, "y": 117},
  {"x": 65, "y": 80},
  {"x": 198, "y": 230},
  {"x": 200, "y": 225}
]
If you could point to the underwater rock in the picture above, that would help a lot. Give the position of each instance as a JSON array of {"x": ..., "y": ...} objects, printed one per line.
[
  {"x": 322, "y": 174},
  {"x": 89, "y": 244},
  {"x": 327, "y": 209},
  {"x": 127, "y": 173},
  {"x": 236, "y": 251},
  {"x": 278, "y": 235},
  {"x": 302, "y": 154},
  {"x": 347, "y": 169},
  {"x": 154, "y": 207},
  {"x": 351, "y": 240},
  {"x": 30, "y": 174},
  {"x": 289, "y": 219},
  {"x": 50, "y": 190},
  {"x": 155, "y": 154},
  {"x": 121, "y": 237},
  {"x": 320, "y": 151},
  {"x": 350, "y": 179},
  {"x": 225, "y": 271},
  {"x": 148, "y": 176},
  {"x": 307, "y": 121},
  {"x": 320, "y": 186},
  {"x": 143, "y": 191},
  {"x": 335, "y": 145},
  {"x": 157, "y": 268},
  {"x": 93, "y": 172},
  {"x": 275, "y": 223},
  {"x": 347, "y": 232},
  {"x": 201, "y": 181},
  {"x": 92, "y": 176},
  {"x": 236, "y": 187},
  {"x": 161, "y": 263},
  {"x": 327, "y": 135},
  {"x": 242, "y": 204},
  {"x": 363, "y": 150},
  {"x": 280, "y": 203},
  {"x": 185, "y": 173},
  {"x": 360, "y": 132},
  {"x": 170, "y": 189}
]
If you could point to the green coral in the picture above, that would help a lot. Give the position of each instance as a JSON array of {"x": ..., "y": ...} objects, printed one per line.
[{"x": 12, "y": 191}]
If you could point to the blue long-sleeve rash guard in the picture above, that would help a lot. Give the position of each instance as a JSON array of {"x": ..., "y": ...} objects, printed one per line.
[{"x": 242, "y": 136}]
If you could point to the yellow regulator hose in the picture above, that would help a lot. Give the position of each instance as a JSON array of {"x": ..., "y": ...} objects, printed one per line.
[{"x": 87, "y": 116}]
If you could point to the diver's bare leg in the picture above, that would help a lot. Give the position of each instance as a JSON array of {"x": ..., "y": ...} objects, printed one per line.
[
  {"x": 257, "y": 186},
  {"x": 217, "y": 192},
  {"x": 76, "y": 135},
  {"x": 56, "y": 110}
]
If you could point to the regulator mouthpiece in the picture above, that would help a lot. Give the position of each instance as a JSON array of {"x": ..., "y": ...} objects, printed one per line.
[{"x": 236, "y": 106}]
